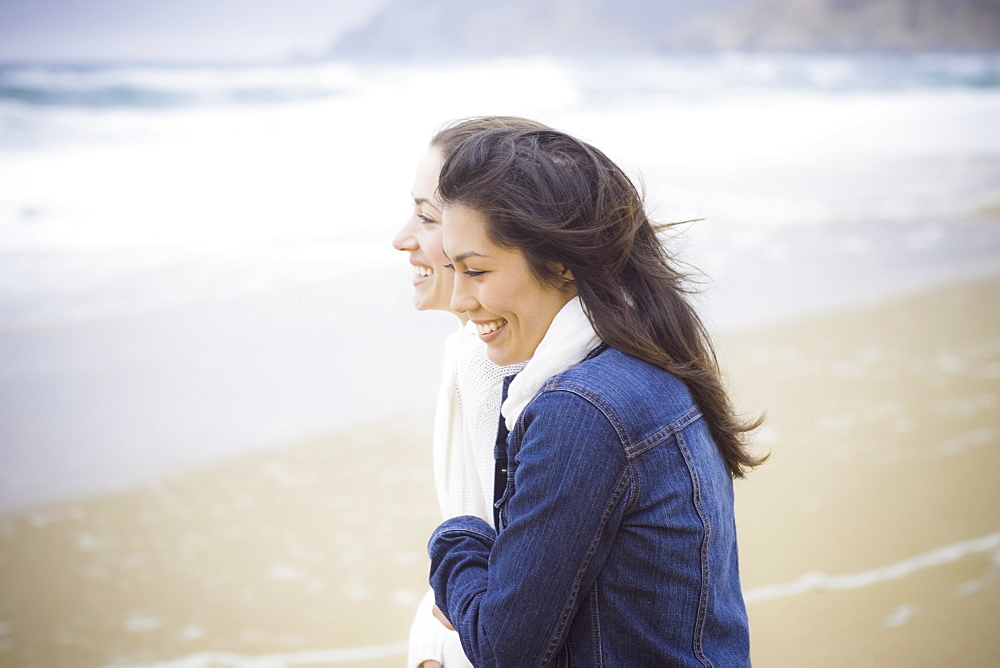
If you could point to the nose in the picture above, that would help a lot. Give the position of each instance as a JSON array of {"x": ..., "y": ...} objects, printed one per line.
[
  {"x": 405, "y": 239},
  {"x": 462, "y": 298}
]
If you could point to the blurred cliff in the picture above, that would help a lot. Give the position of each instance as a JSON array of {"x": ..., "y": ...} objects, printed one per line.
[{"x": 442, "y": 28}]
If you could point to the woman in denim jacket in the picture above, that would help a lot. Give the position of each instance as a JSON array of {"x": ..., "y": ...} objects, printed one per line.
[{"x": 616, "y": 543}]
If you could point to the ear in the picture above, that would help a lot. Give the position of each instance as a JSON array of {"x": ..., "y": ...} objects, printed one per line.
[{"x": 563, "y": 271}]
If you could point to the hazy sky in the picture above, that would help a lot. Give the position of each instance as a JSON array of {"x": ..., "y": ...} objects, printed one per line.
[{"x": 173, "y": 30}]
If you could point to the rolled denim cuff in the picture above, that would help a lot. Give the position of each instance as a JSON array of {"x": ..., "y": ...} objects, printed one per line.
[
  {"x": 469, "y": 525},
  {"x": 460, "y": 550}
]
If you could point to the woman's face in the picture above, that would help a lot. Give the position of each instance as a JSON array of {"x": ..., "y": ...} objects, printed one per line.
[
  {"x": 421, "y": 237},
  {"x": 495, "y": 288}
]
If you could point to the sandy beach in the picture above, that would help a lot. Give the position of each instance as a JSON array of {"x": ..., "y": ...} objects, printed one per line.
[
  {"x": 871, "y": 537},
  {"x": 884, "y": 428}
]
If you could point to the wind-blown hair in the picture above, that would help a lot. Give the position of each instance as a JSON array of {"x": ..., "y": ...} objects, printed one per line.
[
  {"x": 450, "y": 136},
  {"x": 564, "y": 204}
]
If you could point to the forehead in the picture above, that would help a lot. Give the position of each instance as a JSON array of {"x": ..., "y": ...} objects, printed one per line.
[
  {"x": 425, "y": 181},
  {"x": 464, "y": 230}
]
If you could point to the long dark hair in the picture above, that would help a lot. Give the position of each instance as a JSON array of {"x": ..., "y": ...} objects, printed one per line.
[{"x": 565, "y": 204}]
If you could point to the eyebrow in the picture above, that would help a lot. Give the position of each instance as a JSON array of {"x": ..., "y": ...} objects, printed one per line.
[
  {"x": 464, "y": 256},
  {"x": 424, "y": 200}
]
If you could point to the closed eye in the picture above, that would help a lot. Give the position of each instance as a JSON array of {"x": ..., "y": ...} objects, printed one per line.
[{"x": 471, "y": 273}]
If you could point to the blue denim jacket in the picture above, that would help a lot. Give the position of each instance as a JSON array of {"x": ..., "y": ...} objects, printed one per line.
[{"x": 617, "y": 541}]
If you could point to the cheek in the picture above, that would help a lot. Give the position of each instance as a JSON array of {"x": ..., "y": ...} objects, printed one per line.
[
  {"x": 509, "y": 302},
  {"x": 538, "y": 307},
  {"x": 430, "y": 243}
]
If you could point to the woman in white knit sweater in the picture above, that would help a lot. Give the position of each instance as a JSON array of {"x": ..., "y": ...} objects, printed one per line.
[{"x": 469, "y": 402}]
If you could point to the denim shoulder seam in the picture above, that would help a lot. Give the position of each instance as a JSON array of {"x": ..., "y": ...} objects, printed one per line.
[
  {"x": 597, "y": 401},
  {"x": 665, "y": 432},
  {"x": 629, "y": 450},
  {"x": 703, "y": 594}
]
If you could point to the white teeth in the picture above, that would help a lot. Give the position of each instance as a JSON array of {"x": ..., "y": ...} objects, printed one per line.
[
  {"x": 492, "y": 326},
  {"x": 422, "y": 271}
]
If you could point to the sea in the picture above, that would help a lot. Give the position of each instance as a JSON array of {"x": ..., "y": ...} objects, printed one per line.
[{"x": 195, "y": 261}]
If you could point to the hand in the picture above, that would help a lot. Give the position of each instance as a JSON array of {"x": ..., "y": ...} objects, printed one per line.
[
  {"x": 441, "y": 618},
  {"x": 430, "y": 663}
]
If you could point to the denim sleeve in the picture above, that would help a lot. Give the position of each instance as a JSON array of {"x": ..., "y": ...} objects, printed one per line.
[{"x": 512, "y": 596}]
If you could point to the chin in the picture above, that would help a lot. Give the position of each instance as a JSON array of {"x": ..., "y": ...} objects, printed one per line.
[
  {"x": 422, "y": 303},
  {"x": 427, "y": 305},
  {"x": 500, "y": 358}
]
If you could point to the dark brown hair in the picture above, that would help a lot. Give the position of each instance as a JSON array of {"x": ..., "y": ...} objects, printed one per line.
[
  {"x": 448, "y": 138},
  {"x": 564, "y": 204}
]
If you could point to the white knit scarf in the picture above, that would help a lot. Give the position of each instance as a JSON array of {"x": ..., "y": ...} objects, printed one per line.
[{"x": 568, "y": 341}]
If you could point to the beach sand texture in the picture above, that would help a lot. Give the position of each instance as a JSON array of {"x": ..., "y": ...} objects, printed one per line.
[{"x": 871, "y": 537}]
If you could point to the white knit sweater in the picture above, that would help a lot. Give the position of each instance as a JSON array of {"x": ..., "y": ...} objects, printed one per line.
[{"x": 465, "y": 430}]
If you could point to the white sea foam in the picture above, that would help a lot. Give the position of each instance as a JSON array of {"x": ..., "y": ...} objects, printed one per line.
[
  {"x": 140, "y": 622},
  {"x": 901, "y": 615},
  {"x": 137, "y": 188},
  {"x": 278, "y": 660},
  {"x": 285, "y": 573},
  {"x": 969, "y": 439},
  {"x": 817, "y": 581}
]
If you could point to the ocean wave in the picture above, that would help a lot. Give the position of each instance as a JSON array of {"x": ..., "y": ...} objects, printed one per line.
[
  {"x": 700, "y": 77},
  {"x": 173, "y": 86},
  {"x": 124, "y": 96},
  {"x": 116, "y": 210},
  {"x": 817, "y": 581},
  {"x": 162, "y": 86}
]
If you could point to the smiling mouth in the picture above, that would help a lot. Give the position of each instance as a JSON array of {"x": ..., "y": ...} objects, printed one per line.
[
  {"x": 421, "y": 271},
  {"x": 490, "y": 327}
]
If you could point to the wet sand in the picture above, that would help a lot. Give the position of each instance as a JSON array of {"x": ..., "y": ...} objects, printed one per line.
[
  {"x": 858, "y": 538},
  {"x": 884, "y": 428},
  {"x": 319, "y": 546}
]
